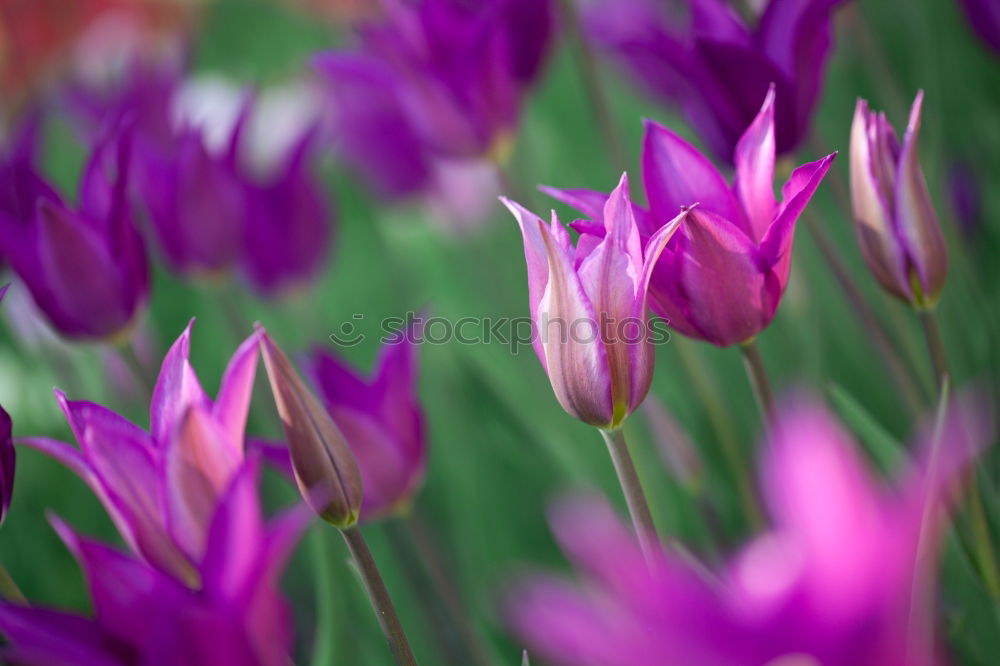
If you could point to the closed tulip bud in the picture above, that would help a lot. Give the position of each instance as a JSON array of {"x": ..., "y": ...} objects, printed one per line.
[
  {"x": 325, "y": 470},
  {"x": 588, "y": 309},
  {"x": 897, "y": 227}
]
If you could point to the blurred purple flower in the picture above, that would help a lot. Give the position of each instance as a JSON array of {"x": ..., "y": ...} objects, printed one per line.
[
  {"x": 966, "y": 198},
  {"x": 382, "y": 420},
  {"x": 895, "y": 221},
  {"x": 435, "y": 79},
  {"x": 984, "y": 19},
  {"x": 161, "y": 488},
  {"x": 143, "y": 616},
  {"x": 601, "y": 372},
  {"x": 723, "y": 276},
  {"x": 86, "y": 268},
  {"x": 832, "y": 582},
  {"x": 702, "y": 57}
]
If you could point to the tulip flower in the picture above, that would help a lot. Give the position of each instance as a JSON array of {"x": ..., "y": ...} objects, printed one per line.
[
  {"x": 897, "y": 227},
  {"x": 722, "y": 277},
  {"x": 984, "y": 19},
  {"x": 435, "y": 79},
  {"x": 588, "y": 309},
  {"x": 8, "y": 457},
  {"x": 382, "y": 421},
  {"x": 323, "y": 464},
  {"x": 196, "y": 206},
  {"x": 834, "y": 581},
  {"x": 162, "y": 487},
  {"x": 143, "y": 616},
  {"x": 716, "y": 68},
  {"x": 85, "y": 267}
]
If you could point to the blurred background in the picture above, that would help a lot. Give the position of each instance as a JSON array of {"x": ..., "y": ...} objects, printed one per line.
[{"x": 500, "y": 445}]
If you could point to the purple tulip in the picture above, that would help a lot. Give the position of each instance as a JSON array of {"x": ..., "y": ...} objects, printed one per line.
[
  {"x": 721, "y": 279},
  {"x": 85, "y": 267},
  {"x": 894, "y": 217},
  {"x": 435, "y": 79},
  {"x": 161, "y": 487},
  {"x": 716, "y": 68},
  {"x": 195, "y": 205},
  {"x": 835, "y": 581},
  {"x": 143, "y": 616},
  {"x": 383, "y": 423},
  {"x": 984, "y": 18},
  {"x": 588, "y": 308}
]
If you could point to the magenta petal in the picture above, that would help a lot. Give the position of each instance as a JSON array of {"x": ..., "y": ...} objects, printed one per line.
[
  {"x": 233, "y": 402},
  {"x": 128, "y": 595},
  {"x": 776, "y": 245},
  {"x": 916, "y": 220},
  {"x": 591, "y": 203},
  {"x": 575, "y": 358},
  {"x": 176, "y": 389},
  {"x": 538, "y": 265},
  {"x": 42, "y": 636},
  {"x": 8, "y": 458},
  {"x": 754, "y": 159},
  {"x": 676, "y": 175}
]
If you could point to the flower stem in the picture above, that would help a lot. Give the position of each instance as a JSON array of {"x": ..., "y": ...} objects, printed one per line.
[
  {"x": 142, "y": 375},
  {"x": 591, "y": 81},
  {"x": 935, "y": 347},
  {"x": 759, "y": 381},
  {"x": 379, "y": 597},
  {"x": 638, "y": 507},
  {"x": 983, "y": 540},
  {"x": 323, "y": 645},
  {"x": 8, "y": 588}
]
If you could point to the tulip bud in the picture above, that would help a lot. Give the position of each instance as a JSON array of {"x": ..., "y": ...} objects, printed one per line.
[
  {"x": 895, "y": 221},
  {"x": 325, "y": 469}
]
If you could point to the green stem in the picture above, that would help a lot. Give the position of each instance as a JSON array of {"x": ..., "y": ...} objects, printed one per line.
[
  {"x": 592, "y": 82},
  {"x": 8, "y": 588},
  {"x": 935, "y": 347},
  {"x": 638, "y": 507},
  {"x": 385, "y": 612},
  {"x": 983, "y": 540},
  {"x": 759, "y": 381}
]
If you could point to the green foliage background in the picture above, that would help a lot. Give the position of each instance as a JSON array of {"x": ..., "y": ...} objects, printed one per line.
[{"x": 501, "y": 447}]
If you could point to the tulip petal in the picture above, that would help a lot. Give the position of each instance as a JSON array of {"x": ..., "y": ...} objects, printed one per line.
[
  {"x": 538, "y": 265},
  {"x": 576, "y": 360},
  {"x": 676, "y": 175},
  {"x": 235, "y": 391},
  {"x": 916, "y": 220},
  {"x": 42, "y": 636},
  {"x": 873, "y": 215},
  {"x": 177, "y": 388},
  {"x": 776, "y": 245},
  {"x": 754, "y": 157},
  {"x": 8, "y": 458}
]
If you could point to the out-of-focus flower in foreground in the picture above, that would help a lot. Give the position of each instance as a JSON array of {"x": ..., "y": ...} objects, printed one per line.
[
  {"x": 382, "y": 421},
  {"x": 435, "y": 79},
  {"x": 722, "y": 277},
  {"x": 324, "y": 466},
  {"x": 896, "y": 224},
  {"x": 85, "y": 267},
  {"x": 701, "y": 56},
  {"x": 144, "y": 616},
  {"x": 837, "y": 580},
  {"x": 161, "y": 487},
  {"x": 589, "y": 308},
  {"x": 984, "y": 18}
]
